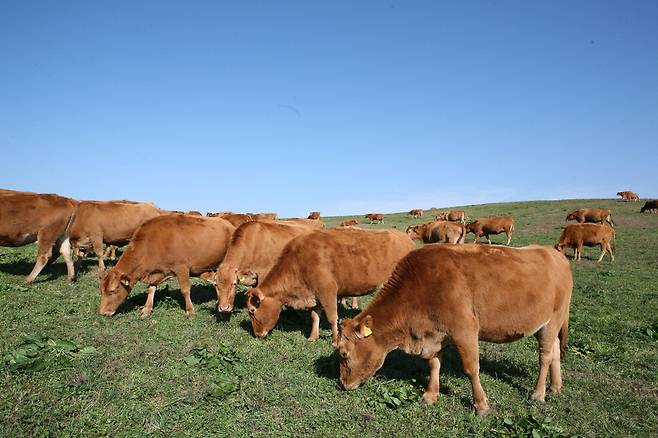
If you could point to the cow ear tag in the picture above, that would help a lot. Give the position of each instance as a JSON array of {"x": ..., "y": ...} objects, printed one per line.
[
  {"x": 125, "y": 282},
  {"x": 366, "y": 331}
]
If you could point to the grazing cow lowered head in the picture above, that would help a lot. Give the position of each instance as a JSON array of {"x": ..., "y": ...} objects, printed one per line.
[
  {"x": 263, "y": 311},
  {"x": 115, "y": 288}
]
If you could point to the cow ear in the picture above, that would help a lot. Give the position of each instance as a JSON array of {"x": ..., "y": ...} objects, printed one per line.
[
  {"x": 125, "y": 281},
  {"x": 209, "y": 277},
  {"x": 365, "y": 328}
]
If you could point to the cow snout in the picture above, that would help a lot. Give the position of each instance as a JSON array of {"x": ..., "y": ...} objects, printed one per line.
[
  {"x": 107, "y": 313},
  {"x": 224, "y": 309},
  {"x": 348, "y": 386}
]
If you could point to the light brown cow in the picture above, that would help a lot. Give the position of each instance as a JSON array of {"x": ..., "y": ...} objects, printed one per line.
[
  {"x": 316, "y": 268},
  {"x": 651, "y": 206},
  {"x": 253, "y": 250},
  {"x": 594, "y": 215},
  {"x": 313, "y": 223},
  {"x": 492, "y": 225},
  {"x": 27, "y": 217},
  {"x": 349, "y": 223},
  {"x": 237, "y": 219},
  {"x": 453, "y": 216},
  {"x": 194, "y": 213},
  {"x": 629, "y": 196},
  {"x": 109, "y": 222},
  {"x": 375, "y": 217},
  {"x": 429, "y": 303},
  {"x": 437, "y": 232},
  {"x": 416, "y": 212},
  {"x": 314, "y": 215},
  {"x": 166, "y": 246},
  {"x": 578, "y": 235}
]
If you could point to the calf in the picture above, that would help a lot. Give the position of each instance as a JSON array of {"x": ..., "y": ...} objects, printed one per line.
[
  {"x": 349, "y": 223},
  {"x": 453, "y": 216},
  {"x": 492, "y": 225},
  {"x": 27, "y": 217},
  {"x": 314, "y": 215},
  {"x": 375, "y": 217},
  {"x": 429, "y": 303},
  {"x": 417, "y": 212},
  {"x": 650, "y": 206},
  {"x": 316, "y": 268},
  {"x": 578, "y": 235},
  {"x": 437, "y": 232},
  {"x": 166, "y": 246},
  {"x": 594, "y": 215}
]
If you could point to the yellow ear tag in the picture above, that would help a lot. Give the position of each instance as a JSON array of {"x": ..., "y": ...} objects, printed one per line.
[
  {"x": 125, "y": 282},
  {"x": 366, "y": 331}
]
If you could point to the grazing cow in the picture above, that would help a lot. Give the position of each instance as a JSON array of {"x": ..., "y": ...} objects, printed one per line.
[
  {"x": 629, "y": 196},
  {"x": 578, "y": 235},
  {"x": 453, "y": 216},
  {"x": 166, "y": 246},
  {"x": 237, "y": 219},
  {"x": 194, "y": 213},
  {"x": 349, "y": 223},
  {"x": 314, "y": 215},
  {"x": 219, "y": 213},
  {"x": 253, "y": 250},
  {"x": 375, "y": 217},
  {"x": 442, "y": 295},
  {"x": 437, "y": 232},
  {"x": 417, "y": 212},
  {"x": 651, "y": 206},
  {"x": 313, "y": 223},
  {"x": 110, "y": 222},
  {"x": 594, "y": 215},
  {"x": 491, "y": 225},
  {"x": 27, "y": 217},
  {"x": 316, "y": 268}
]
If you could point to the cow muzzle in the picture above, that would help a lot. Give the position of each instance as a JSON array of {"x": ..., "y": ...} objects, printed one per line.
[{"x": 224, "y": 309}]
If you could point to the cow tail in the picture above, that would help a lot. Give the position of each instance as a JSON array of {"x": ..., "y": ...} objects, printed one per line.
[
  {"x": 70, "y": 222},
  {"x": 563, "y": 336},
  {"x": 463, "y": 234},
  {"x": 614, "y": 243}
]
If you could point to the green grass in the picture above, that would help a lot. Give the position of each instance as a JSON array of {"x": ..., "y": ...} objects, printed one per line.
[{"x": 153, "y": 377}]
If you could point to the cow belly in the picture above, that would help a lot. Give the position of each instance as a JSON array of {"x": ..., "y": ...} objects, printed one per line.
[{"x": 19, "y": 240}]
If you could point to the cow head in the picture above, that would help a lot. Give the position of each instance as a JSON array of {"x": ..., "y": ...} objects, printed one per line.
[
  {"x": 263, "y": 311},
  {"x": 442, "y": 217},
  {"x": 470, "y": 227},
  {"x": 620, "y": 194},
  {"x": 561, "y": 246},
  {"x": 572, "y": 216},
  {"x": 360, "y": 356},
  {"x": 415, "y": 232},
  {"x": 115, "y": 288}
]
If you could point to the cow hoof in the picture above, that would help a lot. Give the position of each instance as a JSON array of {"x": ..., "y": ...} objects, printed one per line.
[
  {"x": 536, "y": 396},
  {"x": 483, "y": 412},
  {"x": 190, "y": 315},
  {"x": 313, "y": 338},
  {"x": 145, "y": 313},
  {"x": 556, "y": 390},
  {"x": 429, "y": 399}
]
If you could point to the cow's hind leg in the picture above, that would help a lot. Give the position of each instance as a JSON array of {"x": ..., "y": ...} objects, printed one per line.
[
  {"x": 183, "y": 275},
  {"x": 326, "y": 291},
  {"x": 315, "y": 323},
  {"x": 604, "y": 247},
  {"x": 467, "y": 345},
  {"x": 148, "y": 306},
  {"x": 556, "y": 370},
  {"x": 97, "y": 245},
  {"x": 509, "y": 236},
  {"x": 546, "y": 338},
  {"x": 67, "y": 252},
  {"x": 432, "y": 392},
  {"x": 45, "y": 241},
  {"x": 355, "y": 302}
]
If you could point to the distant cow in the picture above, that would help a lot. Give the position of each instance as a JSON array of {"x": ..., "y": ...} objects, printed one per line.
[
  {"x": 194, "y": 213},
  {"x": 651, "y": 206},
  {"x": 316, "y": 268},
  {"x": 349, "y": 223},
  {"x": 28, "y": 217},
  {"x": 110, "y": 222},
  {"x": 629, "y": 196},
  {"x": 375, "y": 217},
  {"x": 164, "y": 247},
  {"x": 314, "y": 215},
  {"x": 313, "y": 223},
  {"x": 253, "y": 250},
  {"x": 417, "y": 212},
  {"x": 453, "y": 216},
  {"x": 492, "y": 225},
  {"x": 237, "y": 219},
  {"x": 578, "y": 235},
  {"x": 437, "y": 232},
  {"x": 457, "y": 295},
  {"x": 593, "y": 215}
]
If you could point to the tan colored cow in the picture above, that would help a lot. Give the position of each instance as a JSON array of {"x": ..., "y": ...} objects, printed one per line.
[
  {"x": 629, "y": 196},
  {"x": 375, "y": 218},
  {"x": 237, "y": 219},
  {"x": 164, "y": 247},
  {"x": 593, "y": 215},
  {"x": 437, "y": 232},
  {"x": 314, "y": 215},
  {"x": 457, "y": 295},
  {"x": 491, "y": 225},
  {"x": 349, "y": 223},
  {"x": 316, "y": 268},
  {"x": 109, "y": 222},
  {"x": 313, "y": 223},
  {"x": 27, "y": 217},
  {"x": 453, "y": 216},
  {"x": 578, "y": 235},
  {"x": 416, "y": 212}
]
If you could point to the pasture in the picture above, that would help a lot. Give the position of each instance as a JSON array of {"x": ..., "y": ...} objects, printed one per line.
[{"x": 168, "y": 376}]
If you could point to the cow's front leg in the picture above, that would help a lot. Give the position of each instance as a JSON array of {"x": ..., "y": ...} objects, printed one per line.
[
  {"x": 315, "y": 323},
  {"x": 183, "y": 275},
  {"x": 432, "y": 392},
  {"x": 148, "y": 307}
]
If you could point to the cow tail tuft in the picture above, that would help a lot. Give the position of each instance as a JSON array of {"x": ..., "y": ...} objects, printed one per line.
[{"x": 563, "y": 336}]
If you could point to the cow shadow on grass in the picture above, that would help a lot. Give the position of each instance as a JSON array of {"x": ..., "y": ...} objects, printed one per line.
[
  {"x": 22, "y": 268},
  {"x": 169, "y": 296}
]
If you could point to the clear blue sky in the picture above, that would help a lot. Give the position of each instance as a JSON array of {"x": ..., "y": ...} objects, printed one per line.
[{"x": 342, "y": 107}]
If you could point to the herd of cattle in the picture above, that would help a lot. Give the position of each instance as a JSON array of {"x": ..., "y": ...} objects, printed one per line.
[{"x": 428, "y": 298}]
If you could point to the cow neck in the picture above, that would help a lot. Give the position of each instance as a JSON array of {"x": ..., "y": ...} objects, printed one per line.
[
  {"x": 280, "y": 282},
  {"x": 130, "y": 266}
]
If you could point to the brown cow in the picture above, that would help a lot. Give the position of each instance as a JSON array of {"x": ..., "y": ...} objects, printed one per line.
[
  {"x": 313, "y": 223},
  {"x": 651, "y": 206},
  {"x": 629, "y": 196},
  {"x": 349, "y": 223},
  {"x": 253, "y": 250},
  {"x": 578, "y": 235},
  {"x": 194, "y": 213},
  {"x": 437, "y": 232},
  {"x": 110, "y": 222},
  {"x": 453, "y": 216},
  {"x": 27, "y": 217},
  {"x": 314, "y": 215},
  {"x": 417, "y": 212},
  {"x": 237, "y": 219},
  {"x": 375, "y": 217},
  {"x": 594, "y": 215},
  {"x": 316, "y": 268},
  {"x": 492, "y": 225},
  {"x": 166, "y": 246},
  {"x": 442, "y": 295}
]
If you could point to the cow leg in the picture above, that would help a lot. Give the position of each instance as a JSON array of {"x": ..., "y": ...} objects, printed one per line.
[
  {"x": 148, "y": 306},
  {"x": 315, "y": 323},
  {"x": 546, "y": 339},
  {"x": 579, "y": 248},
  {"x": 327, "y": 297},
  {"x": 609, "y": 248},
  {"x": 97, "y": 245},
  {"x": 66, "y": 251},
  {"x": 432, "y": 392},
  {"x": 509, "y": 237},
  {"x": 355, "y": 303},
  {"x": 604, "y": 248},
  {"x": 467, "y": 345},
  {"x": 488, "y": 239},
  {"x": 183, "y": 275},
  {"x": 113, "y": 253},
  {"x": 45, "y": 240},
  {"x": 556, "y": 370}
]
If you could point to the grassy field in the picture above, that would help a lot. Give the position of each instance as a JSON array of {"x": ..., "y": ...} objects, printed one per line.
[{"x": 82, "y": 374}]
